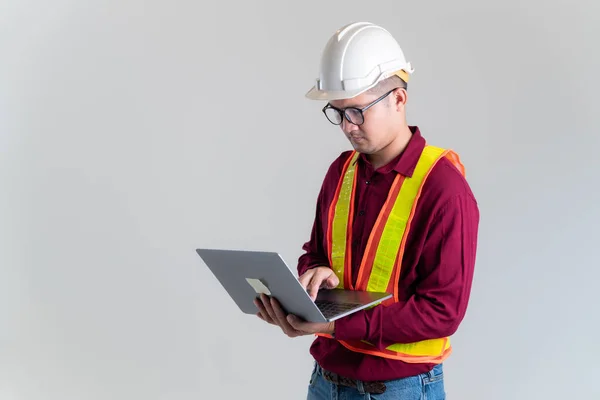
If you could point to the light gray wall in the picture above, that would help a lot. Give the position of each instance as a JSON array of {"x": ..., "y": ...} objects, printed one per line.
[{"x": 132, "y": 132}]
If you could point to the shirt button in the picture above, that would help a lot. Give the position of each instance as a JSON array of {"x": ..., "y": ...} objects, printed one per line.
[
  {"x": 367, "y": 182},
  {"x": 361, "y": 213}
]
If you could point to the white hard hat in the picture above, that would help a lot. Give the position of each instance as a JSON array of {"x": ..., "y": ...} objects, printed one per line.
[{"x": 356, "y": 58}]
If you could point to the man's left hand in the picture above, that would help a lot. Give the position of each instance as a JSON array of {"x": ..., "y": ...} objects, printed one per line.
[{"x": 269, "y": 310}]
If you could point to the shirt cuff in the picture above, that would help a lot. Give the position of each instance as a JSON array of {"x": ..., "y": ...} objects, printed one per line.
[{"x": 352, "y": 327}]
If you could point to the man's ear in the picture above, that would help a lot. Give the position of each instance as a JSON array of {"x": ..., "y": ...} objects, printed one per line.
[{"x": 400, "y": 97}]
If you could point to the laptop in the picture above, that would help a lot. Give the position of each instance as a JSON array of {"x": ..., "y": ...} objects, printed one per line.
[{"x": 247, "y": 274}]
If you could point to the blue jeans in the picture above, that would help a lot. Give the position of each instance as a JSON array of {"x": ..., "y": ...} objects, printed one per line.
[{"x": 427, "y": 386}]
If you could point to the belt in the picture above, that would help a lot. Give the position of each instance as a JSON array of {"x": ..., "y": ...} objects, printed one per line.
[{"x": 375, "y": 387}]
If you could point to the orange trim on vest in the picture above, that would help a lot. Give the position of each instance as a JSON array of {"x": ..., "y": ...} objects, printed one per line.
[
  {"x": 362, "y": 347},
  {"x": 369, "y": 255}
]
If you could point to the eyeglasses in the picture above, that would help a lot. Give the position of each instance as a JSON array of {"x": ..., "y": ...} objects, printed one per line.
[{"x": 354, "y": 115}]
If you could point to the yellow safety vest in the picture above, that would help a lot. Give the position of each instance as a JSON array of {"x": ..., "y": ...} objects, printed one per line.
[{"x": 382, "y": 260}]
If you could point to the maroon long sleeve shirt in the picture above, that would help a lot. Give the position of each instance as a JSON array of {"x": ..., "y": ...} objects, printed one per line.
[{"x": 437, "y": 268}]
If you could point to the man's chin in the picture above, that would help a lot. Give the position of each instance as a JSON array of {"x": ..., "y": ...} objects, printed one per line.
[{"x": 361, "y": 148}]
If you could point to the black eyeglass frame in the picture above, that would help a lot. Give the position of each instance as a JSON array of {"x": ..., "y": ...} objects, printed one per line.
[{"x": 360, "y": 111}]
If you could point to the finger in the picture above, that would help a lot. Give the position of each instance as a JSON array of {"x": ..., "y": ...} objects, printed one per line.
[
  {"x": 282, "y": 319},
  {"x": 269, "y": 308},
  {"x": 306, "y": 277},
  {"x": 259, "y": 315},
  {"x": 332, "y": 282},
  {"x": 295, "y": 322},
  {"x": 315, "y": 284},
  {"x": 309, "y": 327},
  {"x": 299, "y": 324},
  {"x": 262, "y": 312}
]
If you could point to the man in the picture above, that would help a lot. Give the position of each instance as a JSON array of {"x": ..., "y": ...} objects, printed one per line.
[{"x": 395, "y": 214}]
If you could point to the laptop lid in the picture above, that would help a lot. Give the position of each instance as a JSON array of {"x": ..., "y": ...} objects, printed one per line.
[{"x": 245, "y": 274}]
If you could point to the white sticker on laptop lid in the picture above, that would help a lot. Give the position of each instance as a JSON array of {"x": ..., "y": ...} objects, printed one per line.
[{"x": 258, "y": 286}]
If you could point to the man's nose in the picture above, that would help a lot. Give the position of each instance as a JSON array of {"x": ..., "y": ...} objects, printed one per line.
[{"x": 348, "y": 127}]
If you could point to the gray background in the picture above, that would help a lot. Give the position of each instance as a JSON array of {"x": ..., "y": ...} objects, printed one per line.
[{"x": 132, "y": 132}]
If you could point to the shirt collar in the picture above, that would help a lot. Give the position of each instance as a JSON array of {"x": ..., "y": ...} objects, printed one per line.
[{"x": 405, "y": 162}]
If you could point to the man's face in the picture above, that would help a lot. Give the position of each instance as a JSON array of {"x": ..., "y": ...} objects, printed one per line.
[{"x": 376, "y": 132}]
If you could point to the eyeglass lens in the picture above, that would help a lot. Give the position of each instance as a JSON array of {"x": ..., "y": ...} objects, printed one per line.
[{"x": 354, "y": 115}]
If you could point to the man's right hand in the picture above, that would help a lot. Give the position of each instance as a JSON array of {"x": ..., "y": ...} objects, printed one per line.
[{"x": 318, "y": 278}]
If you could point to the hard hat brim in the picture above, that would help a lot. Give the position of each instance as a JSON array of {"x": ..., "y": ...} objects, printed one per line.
[
  {"x": 328, "y": 95},
  {"x": 315, "y": 94}
]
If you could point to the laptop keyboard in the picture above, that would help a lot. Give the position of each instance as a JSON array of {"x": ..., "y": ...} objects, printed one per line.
[{"x": 330, "y": 309}]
